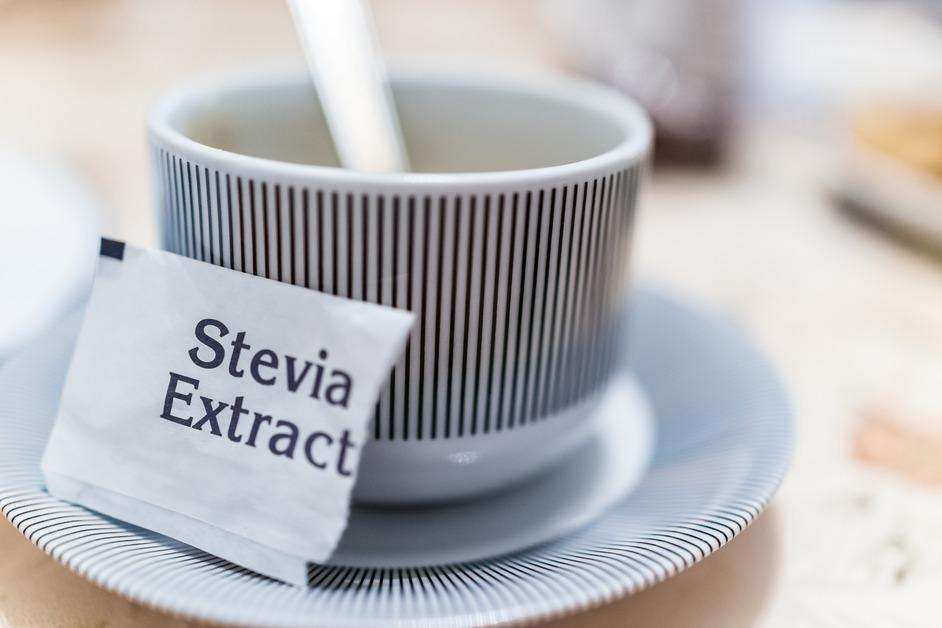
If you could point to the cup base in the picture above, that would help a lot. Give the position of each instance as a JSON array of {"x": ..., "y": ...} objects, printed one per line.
[{"x": 421, "y": 472}]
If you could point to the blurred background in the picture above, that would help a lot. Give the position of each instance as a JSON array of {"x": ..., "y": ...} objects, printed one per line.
[{"x": 797, "y": 190}]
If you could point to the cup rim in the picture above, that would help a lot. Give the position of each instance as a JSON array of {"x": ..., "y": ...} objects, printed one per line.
[{"x": 594, "y": 98}]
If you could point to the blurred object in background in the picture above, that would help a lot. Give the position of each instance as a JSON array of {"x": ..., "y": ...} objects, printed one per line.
[
  {"x": 910, "y": 135},
  {"x": 49, "y": 227},
  {"x": 815, "y": 65},
  {"x": 890, "y": 170},
  {"x": 859, "y": 82},
  {"x": 891, "y": 176},
  {"x": 808, "y": 57},
  {"x": 677, "y": 57}
]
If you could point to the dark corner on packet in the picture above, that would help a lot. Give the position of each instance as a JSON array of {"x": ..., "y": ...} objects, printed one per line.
[{"x": 111, "y": 248}]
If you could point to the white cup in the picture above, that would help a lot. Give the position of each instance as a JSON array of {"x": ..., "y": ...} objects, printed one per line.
[{"x": 509, "y": 239}]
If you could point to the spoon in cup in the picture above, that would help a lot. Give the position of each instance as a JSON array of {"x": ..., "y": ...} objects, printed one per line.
[{"x": 347, "y": 69}]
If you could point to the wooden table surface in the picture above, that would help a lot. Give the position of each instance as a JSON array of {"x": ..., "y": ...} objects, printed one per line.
[{"x": 853, "y": 321}]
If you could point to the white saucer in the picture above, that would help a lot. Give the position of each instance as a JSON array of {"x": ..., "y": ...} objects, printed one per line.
[
  {"x": 567, "y": 497},
  {"x": 723, "y": 444}
]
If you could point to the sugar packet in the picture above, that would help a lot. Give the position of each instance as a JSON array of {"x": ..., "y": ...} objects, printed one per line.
[{"x": 221, "y": 409}]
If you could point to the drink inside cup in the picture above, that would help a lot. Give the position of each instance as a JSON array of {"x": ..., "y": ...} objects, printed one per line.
[
  {"x": 509, "y": 238},
  {"x": 450, "y": 128}
]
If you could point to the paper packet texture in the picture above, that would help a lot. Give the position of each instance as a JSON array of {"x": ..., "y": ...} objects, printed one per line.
[{"x": 221, "y": 409}]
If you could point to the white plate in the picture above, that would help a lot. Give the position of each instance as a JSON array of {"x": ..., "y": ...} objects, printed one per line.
[
  {"x": 49, "y": 228},
  {"x": 724, "y": 439}
]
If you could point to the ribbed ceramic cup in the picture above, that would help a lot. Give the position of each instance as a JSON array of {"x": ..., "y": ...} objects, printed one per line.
[{"x": 509, "y": 240}]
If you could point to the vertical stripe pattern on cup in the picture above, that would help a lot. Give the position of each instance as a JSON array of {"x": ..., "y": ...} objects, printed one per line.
[{"x": 517, "y": 293}]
